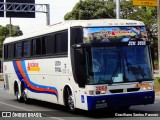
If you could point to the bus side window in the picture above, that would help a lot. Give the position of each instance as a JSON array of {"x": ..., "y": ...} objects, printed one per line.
[
  {"x": 10, "y": 51},
  {"x": 61, "y": 42},
  {"x": 5, "y": 52},
  {"x": 18, "y": 50},
  {"x": 48, "y": 44},
  {"x": 27, "y": 48},
  {"x": 36, "y": 46}
]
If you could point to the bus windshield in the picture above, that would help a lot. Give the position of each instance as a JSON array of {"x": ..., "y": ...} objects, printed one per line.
[{"x": 117, "y": 64}]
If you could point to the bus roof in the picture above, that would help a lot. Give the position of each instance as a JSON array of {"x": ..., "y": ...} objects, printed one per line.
[{"x": 71, "y": 23}]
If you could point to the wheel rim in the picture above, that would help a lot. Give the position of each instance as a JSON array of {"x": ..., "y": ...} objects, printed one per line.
[
  {"x": 24, "y": 95},
  {"x": 18, "y": 96},
  {"x": 70, "y": 102}
]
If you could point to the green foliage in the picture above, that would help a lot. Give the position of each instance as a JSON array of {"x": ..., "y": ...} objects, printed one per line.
[
  {"x": 157, "y": 84},
  {"x": 91, "y": 9},
  {"x": 4, "y": 33}
]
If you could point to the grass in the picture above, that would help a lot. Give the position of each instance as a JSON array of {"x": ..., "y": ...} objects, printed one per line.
[{"x": 157, "y": 85}]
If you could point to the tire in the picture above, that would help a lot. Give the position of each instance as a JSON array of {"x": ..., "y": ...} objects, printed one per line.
[
  {"x": 70, "y": 101},
  {"x": 19, "y": 97},
  {"x": 25, "y": 98}
]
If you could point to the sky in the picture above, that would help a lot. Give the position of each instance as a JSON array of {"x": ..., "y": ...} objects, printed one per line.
[{"x": 58, "y": 8}]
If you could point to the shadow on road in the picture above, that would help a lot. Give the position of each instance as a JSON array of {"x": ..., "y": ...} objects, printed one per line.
[{"x": 61, "y": 111}]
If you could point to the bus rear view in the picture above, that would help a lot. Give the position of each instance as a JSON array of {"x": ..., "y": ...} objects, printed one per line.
[{"x": 114, "y": 65}]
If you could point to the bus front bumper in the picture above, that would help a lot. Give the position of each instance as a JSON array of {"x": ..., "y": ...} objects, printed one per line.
[{"x": 120, "y": 100}]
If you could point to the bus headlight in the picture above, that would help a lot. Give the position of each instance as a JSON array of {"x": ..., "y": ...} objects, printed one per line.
[
  {"x": 147, "y": 88},
  {"x": 100, "y": 92}
]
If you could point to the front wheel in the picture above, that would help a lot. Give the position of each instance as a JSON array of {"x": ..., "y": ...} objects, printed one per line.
[{"x": 70, "y": 101}]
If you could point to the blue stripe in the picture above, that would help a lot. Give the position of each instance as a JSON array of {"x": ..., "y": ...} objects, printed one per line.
[
  {"x": 20, "y": 77},
  {"x": 40, "y": 86},
  {"x": 17, "y": 71}
]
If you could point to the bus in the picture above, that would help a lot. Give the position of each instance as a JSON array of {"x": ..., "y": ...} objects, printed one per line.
[{"x": 82, "y": 64}]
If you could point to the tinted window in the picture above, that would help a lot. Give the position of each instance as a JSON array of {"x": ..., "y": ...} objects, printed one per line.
[
  {"x": 62, "y": 42},
  {"x": 18, "y": 50},
  {"x": 10, "y": 51},
  {"x": 26, "y": 48},
  {"x": 36, "y": 46},
  {"x": 48, "y": 44},
  {"x": 5, "y": 52}
]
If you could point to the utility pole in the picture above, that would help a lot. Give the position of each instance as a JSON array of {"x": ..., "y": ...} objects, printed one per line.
[
  {"x": 10, "y": 27},
  {"x": 48, "y": 14},
  {"x": 117, "y": 9}
]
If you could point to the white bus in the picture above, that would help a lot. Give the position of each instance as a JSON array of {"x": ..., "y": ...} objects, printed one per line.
[{"x": 84, "y": 64}]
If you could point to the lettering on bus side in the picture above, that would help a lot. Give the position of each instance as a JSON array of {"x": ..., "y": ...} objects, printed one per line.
[
  {"x": 65, "y": 69},
  {"x": 33, "y": 66},
  {"x": 58, "y": 66},
  {"x": 57, "y": 63}
]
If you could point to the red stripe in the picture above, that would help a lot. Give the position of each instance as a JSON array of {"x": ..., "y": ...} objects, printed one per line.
[{"x": 19, "y": 65}]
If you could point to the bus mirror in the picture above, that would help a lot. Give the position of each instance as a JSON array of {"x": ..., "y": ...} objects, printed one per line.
[{"x": 80, "y": 69}]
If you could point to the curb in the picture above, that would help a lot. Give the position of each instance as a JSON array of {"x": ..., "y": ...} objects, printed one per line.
[{"x": 157, "y": 96}]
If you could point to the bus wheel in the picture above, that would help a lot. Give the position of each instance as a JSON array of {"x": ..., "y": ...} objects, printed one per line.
[
  {"x": 24, "y": 95},
  {"x": 70, "y": 101},
  {"x": 18, "y": 96}
]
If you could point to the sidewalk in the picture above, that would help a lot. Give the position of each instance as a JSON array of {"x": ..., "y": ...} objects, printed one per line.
[{"x": 157, "y": 93}]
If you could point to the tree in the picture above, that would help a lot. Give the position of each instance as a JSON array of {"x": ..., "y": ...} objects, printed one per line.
[
  {"x": 4, "y": 33},
  {"x": 92, "y": 9}
]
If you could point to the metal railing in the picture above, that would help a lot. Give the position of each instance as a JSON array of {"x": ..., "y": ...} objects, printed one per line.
[{"x": 26, "y": 7}]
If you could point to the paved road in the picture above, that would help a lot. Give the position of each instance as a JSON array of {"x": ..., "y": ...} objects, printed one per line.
[{"x": 9, "y": 104}]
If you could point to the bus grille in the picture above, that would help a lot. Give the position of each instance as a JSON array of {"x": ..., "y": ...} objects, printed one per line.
[
  {"x": 121, "y": 90},
  {"x": 133, "y": 89},
  {"x": 116, "y": 91}
]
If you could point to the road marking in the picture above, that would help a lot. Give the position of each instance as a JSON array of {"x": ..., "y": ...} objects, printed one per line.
[
  {"x": 15, "y": 106},
  {"x": 28, "y": 110},
  {"x": 56, "y": 118}
]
